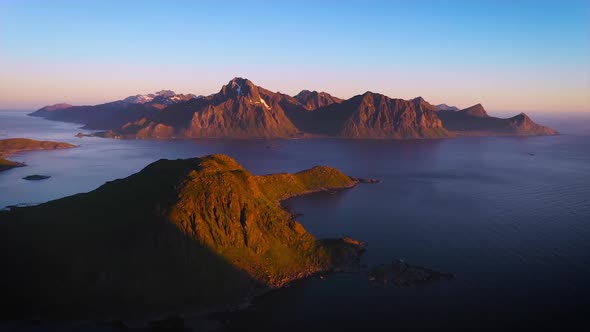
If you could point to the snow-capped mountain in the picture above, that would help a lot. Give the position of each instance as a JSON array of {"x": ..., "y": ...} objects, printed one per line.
[{"x": 166, "y": 97}]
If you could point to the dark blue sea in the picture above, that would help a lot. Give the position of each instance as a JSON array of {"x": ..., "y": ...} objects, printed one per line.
[{"x": 509, "y": 216}]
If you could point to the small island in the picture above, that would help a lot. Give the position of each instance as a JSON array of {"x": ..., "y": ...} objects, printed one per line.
[
  {"x": 402, "y": 274},
  {"x": 36, "y": 177},
  {"x": 14, "y": 145},
  {"x": 200, "y": 234}
]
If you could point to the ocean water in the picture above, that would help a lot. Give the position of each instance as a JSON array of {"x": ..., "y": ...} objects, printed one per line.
[{"x": 509, "y": 216}]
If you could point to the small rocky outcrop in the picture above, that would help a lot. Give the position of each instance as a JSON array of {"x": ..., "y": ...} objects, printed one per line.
[
  {"x": 82, "y": 135},
  {"x": 36, "y": 177},
  {"x": 367, "y": 180},
  {"x": 402, "y": 274}
]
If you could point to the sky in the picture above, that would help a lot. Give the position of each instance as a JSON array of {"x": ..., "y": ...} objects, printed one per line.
[{"x": 510, "y": 56}]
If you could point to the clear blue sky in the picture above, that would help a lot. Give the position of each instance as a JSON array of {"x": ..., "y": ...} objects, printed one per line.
[{"x": 510, "y": 56}]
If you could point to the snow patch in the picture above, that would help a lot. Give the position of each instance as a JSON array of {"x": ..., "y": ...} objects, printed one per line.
[
  {"x": 238, "y": 87},
  {"x": 264, "y": 103},
  {"x": 139, "y": 99}
]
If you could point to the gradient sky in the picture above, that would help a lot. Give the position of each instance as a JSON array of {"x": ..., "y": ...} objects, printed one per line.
[{"x": 507, "y": 55}]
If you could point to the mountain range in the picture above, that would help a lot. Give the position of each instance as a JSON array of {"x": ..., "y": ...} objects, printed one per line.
[{"x": 242, "y": 109}]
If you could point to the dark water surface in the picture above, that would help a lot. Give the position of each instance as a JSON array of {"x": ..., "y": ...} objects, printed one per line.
[{"x": 509, "y": 216}]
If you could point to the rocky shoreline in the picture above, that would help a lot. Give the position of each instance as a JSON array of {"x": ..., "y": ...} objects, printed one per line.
[{"x": 402, "y": 274}]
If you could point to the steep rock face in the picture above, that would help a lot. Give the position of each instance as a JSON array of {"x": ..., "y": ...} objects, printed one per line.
[
  {"x": 476, "y": 122},
  {"x": 199, "y": 233},
  {"x": 312, "y": 100},
  {"x": 377, "y": 116},
  {"x": 240, "y": 109}
]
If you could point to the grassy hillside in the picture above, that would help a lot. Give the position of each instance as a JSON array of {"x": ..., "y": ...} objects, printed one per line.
[{"x": 201, "y": 233}]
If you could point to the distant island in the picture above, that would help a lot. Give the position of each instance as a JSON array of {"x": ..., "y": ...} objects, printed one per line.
[
  {"x": 200, "y": 233},
  {"x": 14, "y": 145},
  {"x": 36, "y": 177},
  {"x": 243, "y": 110}
]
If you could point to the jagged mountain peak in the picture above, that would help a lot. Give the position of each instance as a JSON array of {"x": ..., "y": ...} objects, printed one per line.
[
  {"x": 368, "y": 98},
  {"x": 304, "y": 93},
  {"x": 421, "y": 103},
  {"x": 312, "y": 100},
  {"x": 522, "y": 117},
  {"x": 307, "y": 93},
  {"x": 240, "y": 87},
  {"x": 368, "y": 95}
]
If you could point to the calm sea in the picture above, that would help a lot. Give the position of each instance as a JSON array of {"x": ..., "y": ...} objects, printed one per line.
[{"x": 509, "y": 216}]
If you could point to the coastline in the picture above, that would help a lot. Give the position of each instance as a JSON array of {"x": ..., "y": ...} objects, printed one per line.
[
  {"x": 453, "y": 134},
  {"x": 11, "y": 146}
]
